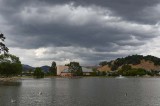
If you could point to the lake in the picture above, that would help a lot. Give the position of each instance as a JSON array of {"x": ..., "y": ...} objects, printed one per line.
[{"x": 82, "y": 92}]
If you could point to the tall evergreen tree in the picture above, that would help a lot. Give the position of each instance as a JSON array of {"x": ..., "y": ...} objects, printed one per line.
[{"x": 53, "y": 68}]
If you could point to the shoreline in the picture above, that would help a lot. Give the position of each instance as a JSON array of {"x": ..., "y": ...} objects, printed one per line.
[
  {"x": 13, "y": 79},
  {"x": 9, "y": 79}
]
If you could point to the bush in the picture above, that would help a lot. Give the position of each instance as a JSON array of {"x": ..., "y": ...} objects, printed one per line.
[
  {"x": 128, "y": 71},
  {"x": 38, "y": 73},
  {"x": 75, "y": 68}
]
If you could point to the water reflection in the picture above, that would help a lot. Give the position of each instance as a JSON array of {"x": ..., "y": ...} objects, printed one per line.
[
  {"x": 13, "y": 83},
  {"x": 9, "y": 93},
  {"x": 82, "y": 92}
]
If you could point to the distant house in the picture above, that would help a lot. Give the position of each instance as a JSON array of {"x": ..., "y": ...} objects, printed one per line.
[
  {"x": 87, "y": 71},
  {"x": 63, "y": 71},
  {"x": 60, "y": 69},
  {"x": 66, "y": 73}
]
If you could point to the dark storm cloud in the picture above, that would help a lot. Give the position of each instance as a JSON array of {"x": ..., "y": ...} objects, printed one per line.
[
  {"x": 103, "y": 26},
  {"x": 129, "y": 9}
]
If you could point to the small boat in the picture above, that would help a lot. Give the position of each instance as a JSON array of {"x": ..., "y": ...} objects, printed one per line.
[
  {"x": 120, "y": 76},
  {"x": 13, "y": 101},
  {"x": 125, "y": 94},
  {"x": 40, "y": 93}
]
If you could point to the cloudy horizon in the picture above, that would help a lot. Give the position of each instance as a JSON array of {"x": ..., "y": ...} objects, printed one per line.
[{"x": 87, "y": 31}]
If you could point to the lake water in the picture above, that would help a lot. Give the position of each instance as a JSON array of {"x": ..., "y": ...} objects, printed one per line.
[{"x": 82, "y": 92}]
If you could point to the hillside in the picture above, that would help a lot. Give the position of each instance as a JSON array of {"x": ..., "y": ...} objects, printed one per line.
[
  {"x": 26, "y": 68},
  {"x": 136, "y": 61},
  {"x": 45, "y": 68}
]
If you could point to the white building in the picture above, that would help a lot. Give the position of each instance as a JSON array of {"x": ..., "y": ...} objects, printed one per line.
[{"x": 61, "y": 68}]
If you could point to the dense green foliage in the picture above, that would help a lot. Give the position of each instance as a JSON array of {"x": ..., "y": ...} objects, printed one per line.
[
  {"x": 2, "y": 45},
  {"x": 153, "y": 73},
  {"x": 53, "y": 69},
  {"x": 75, "y": 68},
  {"x": 38, "y": 73},
  {"x": 155, "y": 60},
  {"x": 127, "y": 70},
  {"x": 95, "y": 72},
  {"x": 10, "y": 65},
  {"x": 98, "y": 73},
  {"x": 134, "y": 59}
]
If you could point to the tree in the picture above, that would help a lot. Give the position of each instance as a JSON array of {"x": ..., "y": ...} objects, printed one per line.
[
  {"x": 103, "y": 63},
  {"x": 124, "y": 70},
  {"x": 30, "y": 72},
  {"x": 95, "y": 72},
  {"x": 10, "y": 65},
  {"x": 127, "y": 70},
  {"x": 75, "y": 68},
  {"x": 2, "y": 45},
  {"x": 53, "y": 68},
  {"x": 38, "y": 73},
  {"x": 126, "y": 67},
  {"x": 104, "y": 73}
]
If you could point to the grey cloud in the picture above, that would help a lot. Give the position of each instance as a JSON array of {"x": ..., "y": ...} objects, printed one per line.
[
  {"x": 102, "y": 26},
  {"x": 131, "y": 10}
]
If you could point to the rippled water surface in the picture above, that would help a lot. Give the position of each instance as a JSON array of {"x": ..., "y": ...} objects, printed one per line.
[{"x": 82, "y": 92}]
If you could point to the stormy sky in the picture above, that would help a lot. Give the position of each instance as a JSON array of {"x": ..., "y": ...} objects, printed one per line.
[{"x": 87, "y": 31}]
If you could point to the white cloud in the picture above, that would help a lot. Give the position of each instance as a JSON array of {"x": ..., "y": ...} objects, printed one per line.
[
  {"x": 152, "y": 47},
  {"x": 45, "y": 56}
]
